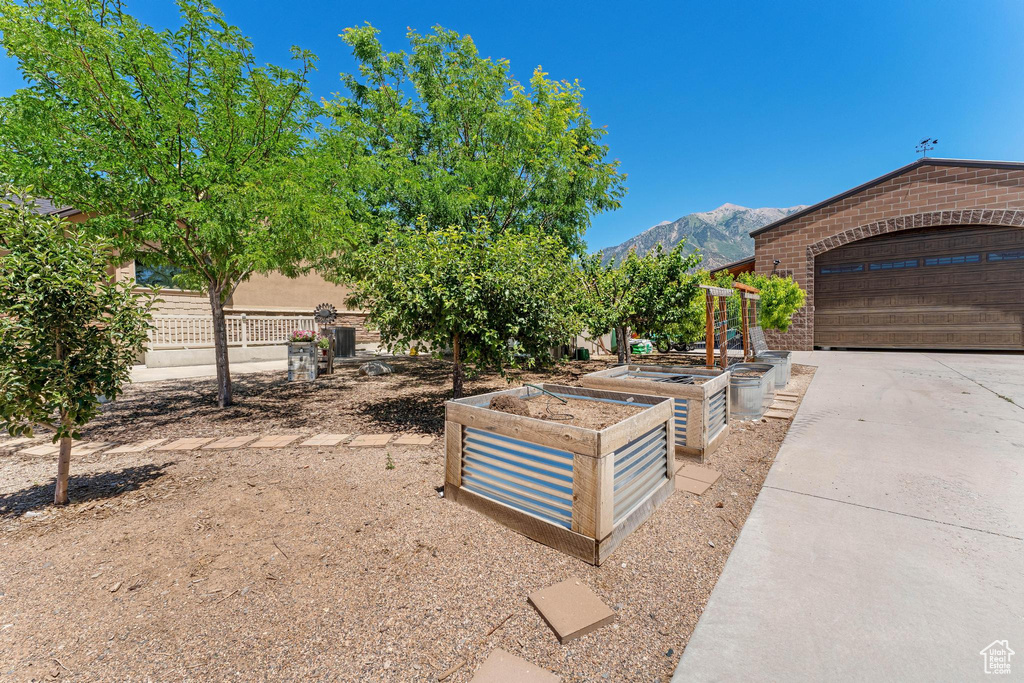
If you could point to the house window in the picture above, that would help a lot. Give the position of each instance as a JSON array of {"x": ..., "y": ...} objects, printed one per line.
[
  {"x": 953, "y": 260},
  {"x": 848, "y": 268},
  {"x": 893, "y": 265},
  {"x": 1006, "y": 256},
  {"x": 150, "y": 271}
]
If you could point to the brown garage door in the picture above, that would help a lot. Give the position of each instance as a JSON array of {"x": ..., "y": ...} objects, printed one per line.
[{"x": 941, "y": 288}]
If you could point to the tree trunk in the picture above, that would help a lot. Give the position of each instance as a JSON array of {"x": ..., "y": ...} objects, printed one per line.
[
  {"x": 629, "y": 347},
  {"x": 60, "y": 493},
  {"x": 457, "y": 379},
  {"x": 620, "y": 339},
  {"x": 220, "y": 344}
]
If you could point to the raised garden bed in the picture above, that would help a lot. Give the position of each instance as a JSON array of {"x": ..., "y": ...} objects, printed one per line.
[
  {"x": 751, "y": 389},
  {"x": 579, "y": 485},
  {"x": 701, "y": 397}
]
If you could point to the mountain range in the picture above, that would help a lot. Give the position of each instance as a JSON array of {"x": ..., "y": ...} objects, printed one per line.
[{"x": 722, "y": 235}]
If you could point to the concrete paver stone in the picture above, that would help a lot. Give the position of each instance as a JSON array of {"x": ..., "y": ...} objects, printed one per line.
[
  {"x": 188, "y": 443},
  {"x": 695, "y": 479},
  {"x": 504, "y": 667},
  {"x": 275, "y": 441},
  {"x": 371, "y": 440},
  {"x": 325, "y": 440},
  {"x": 414, "y": 440},
  {"x": 571, "y": 609},
  {"x": 229, "y": 442},
  {"x": 137, "y": 447}
]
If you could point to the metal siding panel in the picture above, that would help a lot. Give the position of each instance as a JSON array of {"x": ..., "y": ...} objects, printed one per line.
[{"x": 525, "y": 476}]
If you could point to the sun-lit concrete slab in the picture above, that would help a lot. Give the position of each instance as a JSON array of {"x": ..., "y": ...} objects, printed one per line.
[{"x": 888, "y": 541}]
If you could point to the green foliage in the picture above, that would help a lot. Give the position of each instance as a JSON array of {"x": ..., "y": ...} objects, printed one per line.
[
  {"x": 495, "y": 300},
  {"x": 67, "y": 334},
  {"x": 781, "y": 298},
  {"x": 650, "y": 294},
  {"x": 389, "y": 463},
  {"x": 179, "y": 142},
  {"x": 448, "y": 137}
]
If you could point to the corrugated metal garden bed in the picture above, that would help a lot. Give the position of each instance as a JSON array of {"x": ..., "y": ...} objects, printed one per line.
[
  {"x": 581, "y": 491},
  {"x": 701, "y": 396}
]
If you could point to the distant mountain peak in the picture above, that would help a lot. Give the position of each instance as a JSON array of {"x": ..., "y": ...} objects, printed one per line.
[{"x": 722, "y": 234}]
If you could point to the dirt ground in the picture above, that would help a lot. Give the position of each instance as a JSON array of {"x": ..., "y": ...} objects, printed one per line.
[{"x": 322, "y": 563}]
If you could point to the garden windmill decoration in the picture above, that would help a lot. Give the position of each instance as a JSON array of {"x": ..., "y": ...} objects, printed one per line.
[{"x": 325, "y": 314}]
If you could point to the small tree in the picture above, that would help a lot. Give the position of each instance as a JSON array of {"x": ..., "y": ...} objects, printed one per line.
[
  {"x": 650, "y": 294},
  {"x": 178, "y": 142},
  {"x": 450, "y": 137},
  {"x": 67, "y": 334},
  {"x": 494, "y": 300},
  {"x": 781, "y": 298}
]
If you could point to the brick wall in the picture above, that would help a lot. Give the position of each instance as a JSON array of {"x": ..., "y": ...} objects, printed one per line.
[{"x": 925, "y": 196}]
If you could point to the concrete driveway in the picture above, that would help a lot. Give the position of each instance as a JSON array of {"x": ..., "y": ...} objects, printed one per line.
[{"x": 888, "y": 541}]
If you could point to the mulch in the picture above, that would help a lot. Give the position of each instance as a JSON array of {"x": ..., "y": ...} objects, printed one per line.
[{"x": 329, "y": 562}]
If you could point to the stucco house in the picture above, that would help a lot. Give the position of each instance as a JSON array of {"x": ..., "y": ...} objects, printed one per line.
[{"x": 261, "y": 312}]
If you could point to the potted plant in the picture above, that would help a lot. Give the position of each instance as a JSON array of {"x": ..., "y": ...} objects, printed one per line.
[{"x": 303, "y": 350}]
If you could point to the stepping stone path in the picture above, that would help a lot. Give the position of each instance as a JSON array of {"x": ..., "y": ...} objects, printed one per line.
[
  {"x": 276, "y": 441},
  {"x": 136, "y": 447},
  {"x": 230, "y": 442},
  {"x": 325, "y": 440},
  {"x": 186, "y": 444},
  {"x": 78, "y": 448},
  {"x": 505, "y": 667},
  {"x": 370, "y": 440},
  {"x": 695, "y": 479},
  {"x": 221, "y": 444}
]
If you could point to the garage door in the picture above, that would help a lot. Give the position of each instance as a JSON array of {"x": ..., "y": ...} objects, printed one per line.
[{"x": 941, "y": 288}]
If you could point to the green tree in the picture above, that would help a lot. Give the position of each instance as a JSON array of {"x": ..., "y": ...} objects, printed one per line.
[
  {"x": 781, "y": 298},
  {"x": 495, "y": 300},
  {"x": 178, "y": 142},
  {"x": 449, "y": 137},
  {"x": 649, "y": 294},
  {"x": 67, "y": 334}
]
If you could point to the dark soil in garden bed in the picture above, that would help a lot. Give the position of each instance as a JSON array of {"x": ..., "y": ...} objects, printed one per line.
[{"x": 580, "y": 412}]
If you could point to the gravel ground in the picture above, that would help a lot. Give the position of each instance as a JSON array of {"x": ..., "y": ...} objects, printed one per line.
[{"x": 321, "y": 563}]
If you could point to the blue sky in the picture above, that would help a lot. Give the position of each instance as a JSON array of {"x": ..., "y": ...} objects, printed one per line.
[{"x": 755, "y": 103}]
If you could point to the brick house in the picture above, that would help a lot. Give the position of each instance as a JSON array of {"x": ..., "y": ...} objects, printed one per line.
[{"x": 929, "y": 256}]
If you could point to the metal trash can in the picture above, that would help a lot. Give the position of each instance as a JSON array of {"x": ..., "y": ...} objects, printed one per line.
[
  {"x": 783, "y": 362},
  {"x": 751, "y": 394},
  {"x": 344, "y": 342}
]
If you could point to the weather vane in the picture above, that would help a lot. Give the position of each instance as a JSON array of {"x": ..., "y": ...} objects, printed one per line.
[{"x": 925, "y": 146}]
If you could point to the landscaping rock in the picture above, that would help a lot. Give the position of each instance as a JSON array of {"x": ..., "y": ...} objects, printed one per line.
[
  {"x": 375, "y": 368},
  {"x": 511, "y": 405}
]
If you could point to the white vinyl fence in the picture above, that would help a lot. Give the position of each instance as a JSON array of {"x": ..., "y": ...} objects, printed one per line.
[{"x": 196, "y": 332}]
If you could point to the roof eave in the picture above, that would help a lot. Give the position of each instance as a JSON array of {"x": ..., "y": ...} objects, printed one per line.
[{"x": 925, "y": 161}]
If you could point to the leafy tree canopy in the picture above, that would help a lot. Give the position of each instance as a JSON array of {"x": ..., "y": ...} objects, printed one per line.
[
  {"x": 495, "y": 300},
  {"x": 177, "y": 141},
  {"x": 67, "y": 334},
  {"x": 451, "y": 137},
  {"x": 649, "y": 294}
]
